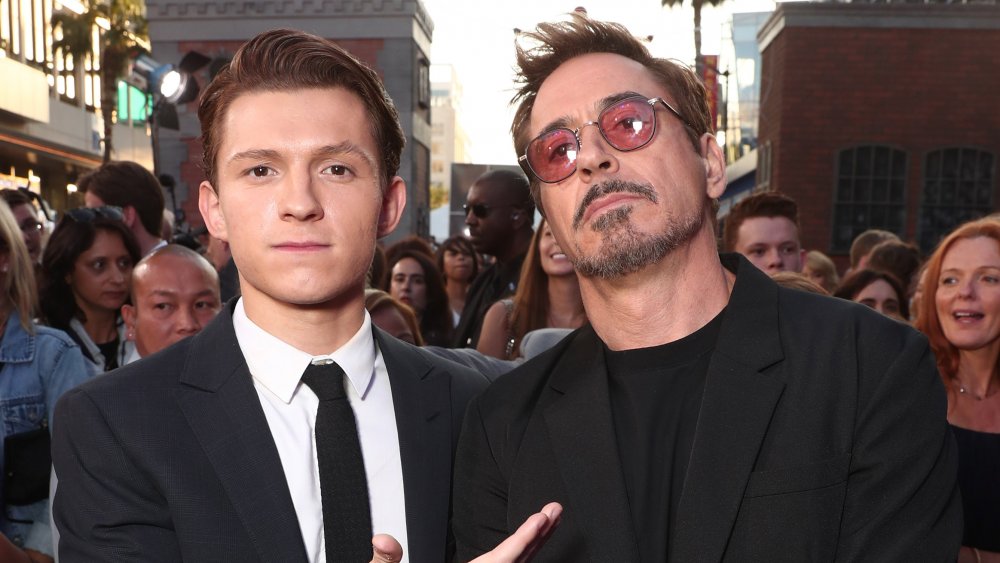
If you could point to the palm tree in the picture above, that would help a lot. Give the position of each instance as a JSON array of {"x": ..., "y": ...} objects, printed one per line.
[
  {"x": 122, "y": 31},
  {"x": 697, "y": 5}
]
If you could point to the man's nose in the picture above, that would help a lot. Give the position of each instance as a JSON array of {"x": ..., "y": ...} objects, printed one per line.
[
  {"x": 187, "y": 322},
  {"x": 594, "y": 153}
]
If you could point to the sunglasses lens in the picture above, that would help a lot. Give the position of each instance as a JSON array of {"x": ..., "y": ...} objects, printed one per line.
[
  {"x": 552, "y": 156},
  {"x": 628, "y": 124},
  {"x": 480, "y": 210}
]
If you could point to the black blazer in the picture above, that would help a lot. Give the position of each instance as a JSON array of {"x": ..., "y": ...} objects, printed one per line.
[
  {"x": 172, "y": 459},
  {"x": 821, "y": 437}
]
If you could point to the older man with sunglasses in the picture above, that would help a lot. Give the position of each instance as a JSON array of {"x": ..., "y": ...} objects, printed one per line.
[
  {"x": 499, "y": 213},
  {"x": 705, "y": 414}
]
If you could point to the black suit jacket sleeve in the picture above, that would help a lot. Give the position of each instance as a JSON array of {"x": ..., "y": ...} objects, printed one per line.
[
  {"x": 480, "y": 521},
  {"x": 104, "y": 508},
  {"x": 902, "y": 496}
]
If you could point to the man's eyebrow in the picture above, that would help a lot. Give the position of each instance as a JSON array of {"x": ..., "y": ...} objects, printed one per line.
[
  {"x": 255, "y": 154},
  {"x": 345, "y": 147},
  {"x": 565, "y": 121}
]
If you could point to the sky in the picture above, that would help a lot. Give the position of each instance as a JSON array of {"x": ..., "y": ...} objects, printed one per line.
[{"x": 477, "y": 39}]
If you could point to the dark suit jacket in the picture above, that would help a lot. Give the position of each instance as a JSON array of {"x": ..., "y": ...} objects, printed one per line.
[
  {"x": 821, "y": 437},
  {"x": 171, "y": 458}
]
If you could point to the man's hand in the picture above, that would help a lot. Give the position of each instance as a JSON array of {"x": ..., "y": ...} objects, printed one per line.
[
  {"x": 386, "y": 549},
  {"x": 520, "y": 547}
]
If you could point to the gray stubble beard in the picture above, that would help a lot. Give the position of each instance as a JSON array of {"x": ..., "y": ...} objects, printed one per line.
[{"x": 624, "y": 250}]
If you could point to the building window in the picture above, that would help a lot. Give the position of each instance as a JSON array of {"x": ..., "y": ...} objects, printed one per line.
[
  {"x": 958, "y": 187},
  {"x": 423, "y": 83},
  {"x": 870, "y": 193}
]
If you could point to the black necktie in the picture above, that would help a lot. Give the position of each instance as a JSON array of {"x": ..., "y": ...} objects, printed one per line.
[{"x": 347, "y": 519}]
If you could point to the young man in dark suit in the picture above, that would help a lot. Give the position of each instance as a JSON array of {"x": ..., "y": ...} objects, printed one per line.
[
  {"x": 219, "y": 447},
  {"x": 706, "y": 414}
]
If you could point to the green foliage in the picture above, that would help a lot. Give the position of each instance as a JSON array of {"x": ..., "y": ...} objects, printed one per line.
[{"x": 439, "y": 195}]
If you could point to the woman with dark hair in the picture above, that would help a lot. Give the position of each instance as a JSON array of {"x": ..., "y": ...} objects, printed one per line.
[
  {"x": 86, "y": 269},
  {"x": 456, "y": 259},
  {"x": 548, "y": 296},
  {"x": 959, "y": 311},
  {"x": 879, "y": 290},
  {"x": 416, "y": 281},
  {"x": 37, "y": 365}
]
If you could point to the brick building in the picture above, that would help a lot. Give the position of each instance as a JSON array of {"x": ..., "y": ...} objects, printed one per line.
[
  {"x": 392, "y": 37},
  {"x": 880, "y": 116}
]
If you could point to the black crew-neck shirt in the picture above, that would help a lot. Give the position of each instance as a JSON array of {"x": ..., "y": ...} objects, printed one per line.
[{"x": 655, "y": 399}]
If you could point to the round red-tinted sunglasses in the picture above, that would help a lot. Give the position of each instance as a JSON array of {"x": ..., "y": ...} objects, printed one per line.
[{"x": 626, "y": 125}]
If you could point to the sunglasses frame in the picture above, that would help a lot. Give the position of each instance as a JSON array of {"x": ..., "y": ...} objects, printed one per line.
[
  {"x": 88, "y": 214},
  {"x": 466, "y": 208},
  {"x": 526, "y": 163}
]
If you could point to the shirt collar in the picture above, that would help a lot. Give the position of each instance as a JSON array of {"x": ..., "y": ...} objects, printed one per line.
[{"x": 278, "y": 366}]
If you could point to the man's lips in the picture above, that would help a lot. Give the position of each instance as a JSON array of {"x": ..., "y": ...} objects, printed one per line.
[
  {"x": 606, "y": 202},
  {"x": 304, "y": 246}
]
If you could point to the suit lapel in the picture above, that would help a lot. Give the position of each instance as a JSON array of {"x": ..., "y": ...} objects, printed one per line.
[
  {"x": 219, "y": 400},
  {"x": 736, "y": 408},
  {"x": 421, "y": 398},
  {"x": 582, "y": 433}
]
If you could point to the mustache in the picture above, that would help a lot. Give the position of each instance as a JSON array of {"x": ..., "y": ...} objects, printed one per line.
[{"x": 612, "y": 187}]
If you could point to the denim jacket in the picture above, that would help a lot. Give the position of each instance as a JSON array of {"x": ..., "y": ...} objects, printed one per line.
[{"x": 36, "y": 370}]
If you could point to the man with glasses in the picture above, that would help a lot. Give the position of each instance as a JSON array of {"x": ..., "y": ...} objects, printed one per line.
[
  {"x": 705, "y": 414},
  {"x": 499, "y": 213}
]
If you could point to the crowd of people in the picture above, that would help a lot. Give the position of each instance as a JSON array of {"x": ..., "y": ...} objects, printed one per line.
[{"x": 685, "y": 388}]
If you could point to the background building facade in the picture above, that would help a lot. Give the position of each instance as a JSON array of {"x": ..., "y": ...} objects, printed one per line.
[
  {"x": 880, "y": 116},
  {"x": 392, "y": 37},
  {"x": 50, "y": 120}
]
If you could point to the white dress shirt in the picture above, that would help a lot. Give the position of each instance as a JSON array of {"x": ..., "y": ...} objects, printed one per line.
[{"x": 290, "y": 409}]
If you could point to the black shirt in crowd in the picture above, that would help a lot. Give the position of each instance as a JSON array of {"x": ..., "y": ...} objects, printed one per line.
[
  {"x": 655, "y": 399},
  {"x": 491, "y": 285}
]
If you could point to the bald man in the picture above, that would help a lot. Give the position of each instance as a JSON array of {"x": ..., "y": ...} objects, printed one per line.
[{"x": 175, "y": 292}]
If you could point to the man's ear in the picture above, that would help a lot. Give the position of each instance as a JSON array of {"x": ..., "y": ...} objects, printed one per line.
[
  {"x": 211, "y": 211},
  {"x": 715, "y": 166},
  {"x": 393, "y": 203},
  {"x": 520, "y": 217},
  {"x": 128, "y": 315},
  {"x": 129, "y": 216}
]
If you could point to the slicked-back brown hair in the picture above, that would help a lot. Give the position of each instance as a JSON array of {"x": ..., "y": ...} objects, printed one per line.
[
  {"x": 557, "y": 43},
  {"x": 282, "y": 59},
  {"x": 764, "y": 204}
]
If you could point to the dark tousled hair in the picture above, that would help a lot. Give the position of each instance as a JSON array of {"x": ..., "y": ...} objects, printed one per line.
[
  {"x": 557, "y": 43},
  {"x": 764, "y": 204},
  {"x": 128, "y": 184},
  {"x": 284, "y": 59}
]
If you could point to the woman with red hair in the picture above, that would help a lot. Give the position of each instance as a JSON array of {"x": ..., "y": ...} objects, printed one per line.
[{"x": 959, "y": 311}]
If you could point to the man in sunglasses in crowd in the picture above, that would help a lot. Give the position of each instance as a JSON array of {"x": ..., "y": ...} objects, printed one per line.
[
  {"x": 136, "y": 191},
  {"x": 705, "y": 414},
  {"x": 500, "y": 214}
]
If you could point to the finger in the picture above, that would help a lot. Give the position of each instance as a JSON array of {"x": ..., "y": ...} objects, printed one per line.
[
  {"x": 528, "y": 538},
  {"x": 386, "y": 549},
  {"x": 553, "y": 512}
]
